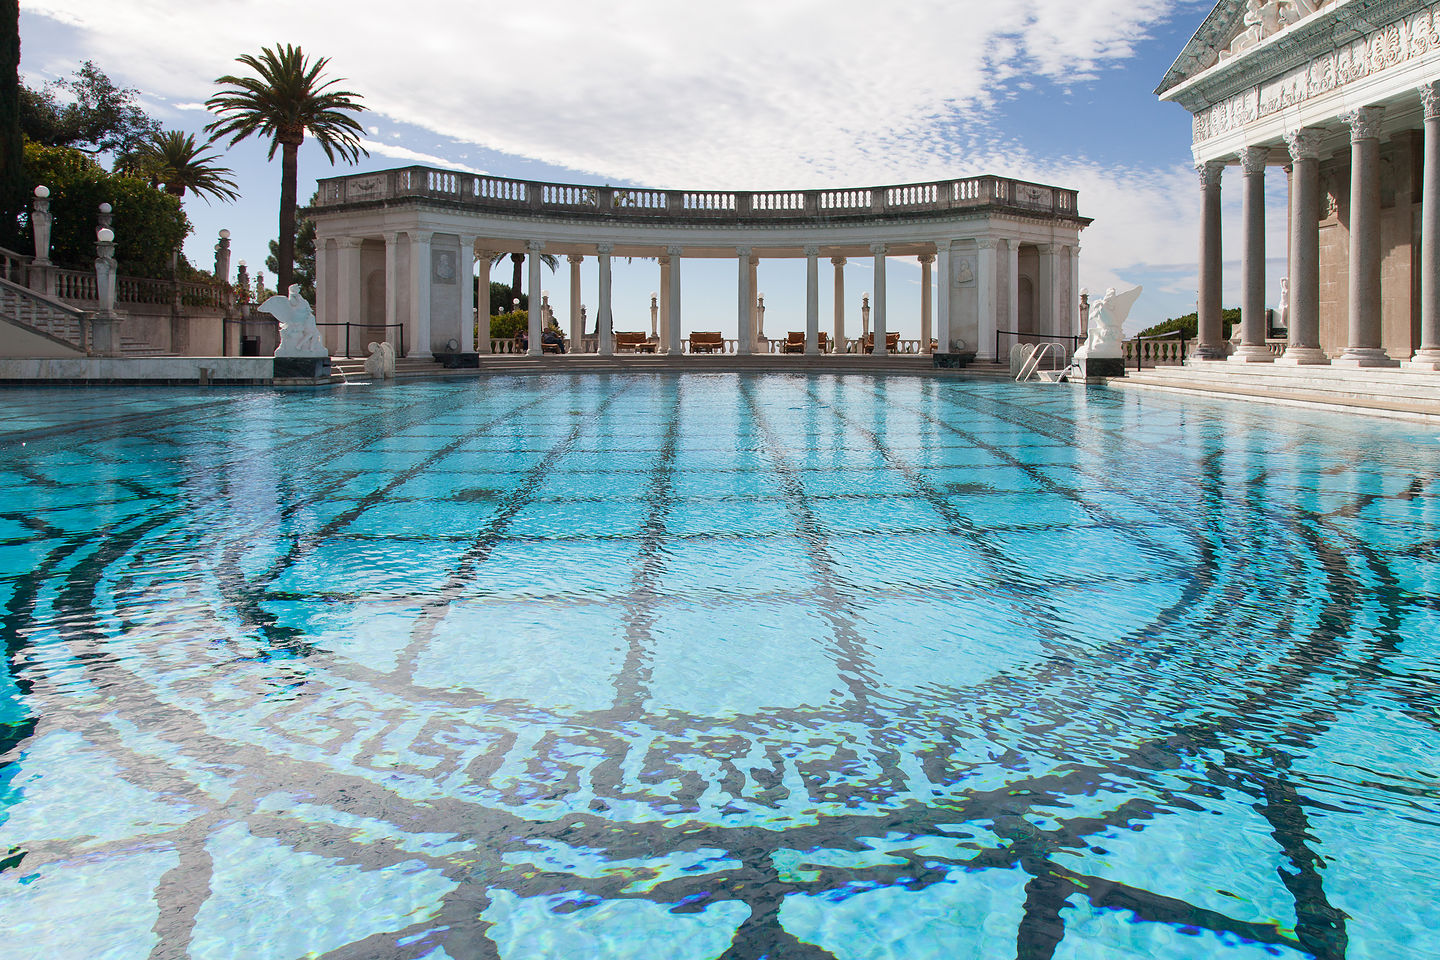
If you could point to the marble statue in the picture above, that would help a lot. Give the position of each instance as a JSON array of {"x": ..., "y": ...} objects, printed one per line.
[
  {"x": 1264, "y": 18},
  {"x": 299, "y": 337},
  {"x": 1107, "y": 322},
  {"x": 1283, "y": 309},
  {"x": 380, "y": 365}
]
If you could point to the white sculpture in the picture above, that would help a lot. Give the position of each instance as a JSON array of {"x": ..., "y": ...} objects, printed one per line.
[
  {"x": 380, "y": 365},
  {"x": 1283, "y": 310},
  {"x": 1107, "y": 322},
  {"x": 299, "y": 337}
]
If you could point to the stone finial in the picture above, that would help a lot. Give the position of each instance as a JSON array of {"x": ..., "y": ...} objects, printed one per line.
[
  {"x": 1364, "y": 123},
  {"x": 105, "y": 217},
  {"x": 1210, "y": 174},
  {"x": 1304, "y": 144},
  {"x": 1253, "y": 160}
]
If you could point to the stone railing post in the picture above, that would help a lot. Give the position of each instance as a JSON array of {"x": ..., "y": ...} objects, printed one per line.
[
  {"x": 104, "y": 327},
  {"x": 42, "y": 271}
]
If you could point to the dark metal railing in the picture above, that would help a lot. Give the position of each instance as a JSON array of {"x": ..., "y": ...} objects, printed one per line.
[
  {"x": 1136, "y": 345},
  {"x": 368, "y": 327}
]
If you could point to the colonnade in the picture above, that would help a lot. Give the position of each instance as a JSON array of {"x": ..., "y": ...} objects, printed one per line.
[{"x": 1363, "y": 347}]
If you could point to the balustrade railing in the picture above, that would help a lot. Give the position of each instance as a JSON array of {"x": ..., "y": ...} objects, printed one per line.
[
  {"x": 13, "y": 266},
  {"x": 1162, "y": 351},
  {"x": 644, "y": 203}
]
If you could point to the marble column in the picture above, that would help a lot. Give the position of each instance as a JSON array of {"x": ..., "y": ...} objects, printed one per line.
[
  {"x": 812, "y": 301},
  {"x": 839, "y": 336},
  {"x": 1363, "y": 349},
  {"x": 604, "y": 317},
  {"x": 577, "y": 326},
  {"x": 1211, "y": 340},
  {"x": 347, "y": 300},
  {"x": 745, "y": 332},
  {"x": 674, "y": 341},
  {"x": 1046, "y": 299},
  {"x": 1303, "y": 332},
  {"x": 392, "y": 289},
  {"x": 1428, "y": 356},
  {"x": 420, "y": 294},
  {"x": 1072, "y": 296},
  {"x": 756, "y": 326},
  {"x": 1252, "y": 347},
  {"x": 537, "y": 326},
  {"x": 985, "y": 289},
  {"x": 944, "y": 270},
  {"x": 926, "y": 280},
  {"x": 469, "y": 316},
  {"x": 877, "y": 315},
  {"x": 1012, "y": 286},
  {"x": 664, "y": 333}
]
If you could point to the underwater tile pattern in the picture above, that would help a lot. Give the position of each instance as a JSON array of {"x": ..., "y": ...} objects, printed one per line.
[{"x": 715, "y": 666}]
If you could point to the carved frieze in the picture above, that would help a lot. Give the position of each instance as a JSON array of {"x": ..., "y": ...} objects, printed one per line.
[{"x": 1387, "y": 47}]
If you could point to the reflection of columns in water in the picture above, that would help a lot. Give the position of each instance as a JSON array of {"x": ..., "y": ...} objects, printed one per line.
[
  {"x": 1303, "y": 331},
  {"x": 1427, "y": 357},
  {"x": 878, "y": 251},
  {"x": 577, "y": 323},
  {"x": 1252, "y": 347},
  {"x": 926, "y": 259},
  {"x": 673, "y": 299},
  {"x": 1363, "y": 349},
  {"x": 812, "y": 300},
  {"x": 1211, "y": 334},
  {"x": 839, "y": 264},
  {"x": 604, "y": 318}
]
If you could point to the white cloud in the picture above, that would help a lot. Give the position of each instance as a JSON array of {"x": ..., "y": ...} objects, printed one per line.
[{"x": 398, "y": 152}]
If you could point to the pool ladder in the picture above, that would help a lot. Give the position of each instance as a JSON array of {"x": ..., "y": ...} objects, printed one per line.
[{"x": 1030, "y": 366}]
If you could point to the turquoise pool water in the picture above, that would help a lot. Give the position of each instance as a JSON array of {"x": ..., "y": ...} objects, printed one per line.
[{"x": 715, "y": 666}]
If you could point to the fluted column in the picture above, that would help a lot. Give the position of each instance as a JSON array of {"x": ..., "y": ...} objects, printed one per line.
[
  {"x": 1211, "y": 345},
  {"x": 926, "y": 279},
  {"x": 420, "y": 293},
  {"x": 745, "y": 332},
  {"x": 1252, "y": 347},
  {"x": 1363, "y": 348},
  {"x": 985, "y": 290},
  {"x": 469, "y": 319},
  {"x": 756, "y": 326},
  {"x": 348, "y": 298},
  {"x": 1012, "y": 320},
  {"x": 1428, "y": 356},
  {"x": 839, "y": 336},
  {"x": 673, "y": 293},
  {"x": 943, "y": 269},
  {"x": 1047, "y": 302},
  {"x": 577, "y": 326},
  {"x": 877, "y": 315},
  {"x": 604, "y": 317},
  {"x": 482, "y": 301},
  {"x": 812, "y": 300},
  {"x": 392, "y": 289},
  {"x": 1072, "y": 299},
  {"x": 663, "y": 333},
  {"x": 537, "y": 326},
  {"x": 1303, "y": 327}
]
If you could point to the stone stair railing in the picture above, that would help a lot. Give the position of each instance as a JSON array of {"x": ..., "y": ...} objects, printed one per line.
[{"x": 42, "y": 314}]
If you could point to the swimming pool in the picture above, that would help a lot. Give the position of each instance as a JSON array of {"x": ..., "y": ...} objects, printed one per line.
[{"x": 712, "y": 666}]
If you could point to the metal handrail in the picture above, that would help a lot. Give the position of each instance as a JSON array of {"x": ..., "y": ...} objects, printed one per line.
[
  {"x": 367, "y": 326},
  {"x": 1140, "y": 352}
]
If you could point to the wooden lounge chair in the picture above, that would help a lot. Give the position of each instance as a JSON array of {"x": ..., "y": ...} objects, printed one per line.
[
  {"x": 794, "y": 342},
  {"x": 892, "y": 343},
  {"x": 706, "y": 341},
  {"x": 634, "y": 342}
]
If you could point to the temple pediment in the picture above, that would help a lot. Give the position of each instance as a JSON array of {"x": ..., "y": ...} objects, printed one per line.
[{"x": 1232, "y": 28}]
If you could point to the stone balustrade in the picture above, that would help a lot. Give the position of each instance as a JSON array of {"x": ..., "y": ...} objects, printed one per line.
[{"x": 497, "y": 194}]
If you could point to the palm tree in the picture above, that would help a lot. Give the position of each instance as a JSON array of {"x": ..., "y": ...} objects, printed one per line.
[
  {"x": 283, "y": 102},
  {"x": 174, "y": 159},
  {"x": 518, "y": 260}
]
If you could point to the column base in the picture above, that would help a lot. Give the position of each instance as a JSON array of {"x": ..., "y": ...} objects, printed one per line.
[
  {"x": 1303, "y": 356},
  {"x": 1424, "y": 361},
  {"x": 1364, "y": 357},
  {"x": 1211, "y": 351},
  {"x": 1252, "y": 353}
]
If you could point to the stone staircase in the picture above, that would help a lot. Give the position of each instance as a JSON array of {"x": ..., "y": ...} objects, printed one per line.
[
  {"x": 57, "y": 320},
  {"x": 1379, "y": 391}
]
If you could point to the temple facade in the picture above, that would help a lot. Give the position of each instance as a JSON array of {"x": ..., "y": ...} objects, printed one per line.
[
  {"x": 1338, "y": 101},
  {"x": 395, "y": 251}
]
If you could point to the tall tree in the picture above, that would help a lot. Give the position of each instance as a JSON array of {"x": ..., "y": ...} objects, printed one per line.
[
  {"x": 284, "y": 101},
  {"x": 176, "y": 160},
  {"x": 12, "y": 157},
  {"x": 304, "y": 258},
  {"x": 97, "y": 117}
]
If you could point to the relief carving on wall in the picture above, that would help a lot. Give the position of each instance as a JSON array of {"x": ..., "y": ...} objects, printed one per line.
[
  {"x": 444, "y": 266},
  {"x": 1380, "y": 50}
]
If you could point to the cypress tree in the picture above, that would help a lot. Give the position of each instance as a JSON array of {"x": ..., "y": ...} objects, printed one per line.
[{"x": 12, "y": 154}]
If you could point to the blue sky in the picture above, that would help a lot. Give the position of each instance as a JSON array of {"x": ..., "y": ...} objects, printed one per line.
[{"x": 743, "y": 94}]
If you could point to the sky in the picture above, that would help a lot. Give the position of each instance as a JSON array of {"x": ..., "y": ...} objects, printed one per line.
[{"x": 745, "y": 94}]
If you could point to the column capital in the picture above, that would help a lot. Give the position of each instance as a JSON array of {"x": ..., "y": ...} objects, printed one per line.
[
  {"x": 988, "y": 243},
  {"x": 1254, "y": 159},
  {"x": 392, "y": 237},
  {"x": 926, "y": 258},
  {"x": 575, "y": 258},
  {"x": 675, "y": 251},
  {"x": 879, "y": 249},
  {"x": 838, "y": 261},
  {"x": 422, "y": 236},
  {"x": 469, "y": 240},
  {"x": 1304, "y": 144},
  {"x": 604, "y": 249},
  {"x": 942, "y": 245},
  {"x": 664, "y": 261},
  {"x": 348, "y": 243},
  {"x": 1364, "y": 123},
  {"x": 1430, "y": 97},
  {"x": 1048, "y": 248},
  {"x": 811, "y": 250},
  {"x": 1210, "y": 173},
  {"x": 742, "y": 251},
  {"x": 535, "y": 246}
]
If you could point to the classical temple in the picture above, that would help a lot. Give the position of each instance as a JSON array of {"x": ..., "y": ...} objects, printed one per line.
[
  {"x": 1344, "y": 97},
  {"x": 394, "y": 248}
]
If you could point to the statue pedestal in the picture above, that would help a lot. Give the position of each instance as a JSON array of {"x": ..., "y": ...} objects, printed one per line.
[
  {"x": 1102, "y": 368},
  {"x": 302, "y": 368},
  {"x": 104, "y": 333}
]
